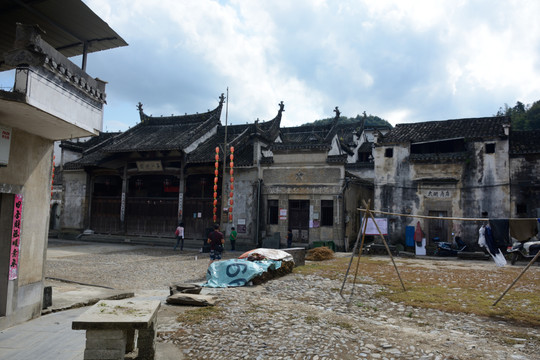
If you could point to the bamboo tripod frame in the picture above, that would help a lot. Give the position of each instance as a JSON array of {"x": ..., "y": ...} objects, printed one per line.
[{"x": 369, "y": 214}]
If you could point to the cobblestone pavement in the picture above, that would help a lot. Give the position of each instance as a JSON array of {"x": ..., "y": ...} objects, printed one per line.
[{"x": 296, "y": 316}]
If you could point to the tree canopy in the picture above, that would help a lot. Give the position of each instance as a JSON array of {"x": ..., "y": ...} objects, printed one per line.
[
  {"x": 524, "y": 117},
  {"x": 371, "y": 120}
]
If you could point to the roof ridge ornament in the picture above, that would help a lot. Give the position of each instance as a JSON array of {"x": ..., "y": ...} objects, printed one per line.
[
  {"x": 338, "y": 113},
  {"x": 281, "y": 106},
  {"x": 221, "y": 99}
]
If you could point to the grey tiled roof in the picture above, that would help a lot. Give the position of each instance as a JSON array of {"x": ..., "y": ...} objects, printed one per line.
[
  {"x": 239, "y": 136},
  {"x": 165, "y": 133},
  {"x": 525, "y": 142},
  {"x": 80, "y": 146},
  {"x": 474, "y": 128}
]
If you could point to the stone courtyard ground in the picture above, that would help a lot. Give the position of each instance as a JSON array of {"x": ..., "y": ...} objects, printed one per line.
[{"x": 445, "y": 313}]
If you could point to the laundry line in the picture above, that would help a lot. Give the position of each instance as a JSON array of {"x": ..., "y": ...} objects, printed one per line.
[{"x": 441, "y": 217}]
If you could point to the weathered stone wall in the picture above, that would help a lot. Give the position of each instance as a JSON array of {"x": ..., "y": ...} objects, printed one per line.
[
  {"x": 353, "y": 196},
  {"x": 75, "y": 201},
  {"x": 245, "y": 205},
  {"x": 289, "y": 181},
  {"x": 29, "y": 172},
  {"x": 479, "y": 185},
  {"x": 525, "y": 185},
  {"x": 302, "y": 175}
]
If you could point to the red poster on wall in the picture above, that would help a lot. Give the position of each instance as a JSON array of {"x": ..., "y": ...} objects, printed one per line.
[{"x": 15, "y": 238}]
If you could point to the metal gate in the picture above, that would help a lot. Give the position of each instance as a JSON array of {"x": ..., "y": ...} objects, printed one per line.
[{"x": 299, "y": 220}]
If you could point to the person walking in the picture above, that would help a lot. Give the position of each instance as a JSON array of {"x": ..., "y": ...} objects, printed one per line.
[
  {"x": 232, "y": 238},
  {"x": 179, "y": 236},
  {"x": 216, "y": 241}
]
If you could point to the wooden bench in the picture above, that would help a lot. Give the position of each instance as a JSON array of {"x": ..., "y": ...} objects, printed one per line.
[{"x": 117, "y": 327}]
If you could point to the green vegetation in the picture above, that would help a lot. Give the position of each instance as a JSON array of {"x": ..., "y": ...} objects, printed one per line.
[
  {"x": 197, "y": 316},
  {"x": 466, "y": 289},
  {"x": 524, "y": 117},
  {"x": 371, "y": 121}
]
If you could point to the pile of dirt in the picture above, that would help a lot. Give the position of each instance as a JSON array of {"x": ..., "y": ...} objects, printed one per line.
[
  {"x": 320, "y": 254},
  {"x": 285, "y": 268}
]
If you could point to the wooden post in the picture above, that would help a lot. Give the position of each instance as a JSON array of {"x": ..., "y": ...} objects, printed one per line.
[
  {"x": 386, "y": 245},
  {"x": 361, "y": 248},
  {"x": 519, "y": 276},
  {"x": 361, "y": 232}
]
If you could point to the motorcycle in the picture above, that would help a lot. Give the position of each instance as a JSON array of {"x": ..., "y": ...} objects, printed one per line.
[
  {"x": 448, "y": 248},
  {"x": 524, "y": 250}
]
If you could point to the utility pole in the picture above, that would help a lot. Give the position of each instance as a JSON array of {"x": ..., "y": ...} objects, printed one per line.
[{"x": 224, "y": 198}]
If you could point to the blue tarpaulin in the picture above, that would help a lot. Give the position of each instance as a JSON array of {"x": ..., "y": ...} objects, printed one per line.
[{"x": 237, "y": 272}]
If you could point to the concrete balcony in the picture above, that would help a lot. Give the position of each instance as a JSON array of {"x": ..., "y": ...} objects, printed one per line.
[{"x": 51, "y": 97}]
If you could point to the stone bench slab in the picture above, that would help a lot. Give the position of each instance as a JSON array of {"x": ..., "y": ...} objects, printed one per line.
[{"x": 118, "y": 314}]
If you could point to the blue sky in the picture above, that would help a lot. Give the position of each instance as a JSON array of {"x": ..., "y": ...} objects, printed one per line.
[{"x": 405, "y": 61}]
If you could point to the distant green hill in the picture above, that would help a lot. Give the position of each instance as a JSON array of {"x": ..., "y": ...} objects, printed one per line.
[
  {"x": 524, "y": 117},
  {"x": 371, "y": 120}
]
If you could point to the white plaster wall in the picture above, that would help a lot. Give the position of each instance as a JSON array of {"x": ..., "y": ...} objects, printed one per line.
[{"x": 51, "y": 96}]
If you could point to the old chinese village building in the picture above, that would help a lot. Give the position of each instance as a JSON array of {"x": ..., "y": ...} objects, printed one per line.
[
  {"x": 160, "y": 172},
  {"x": 464, "y": 168}
]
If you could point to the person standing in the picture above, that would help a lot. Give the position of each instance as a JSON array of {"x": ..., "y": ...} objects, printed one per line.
[
  {"x": 289, "y": 238},
  {"x": 216, "y": 241},
  {"x": 179, "y": 236},
  {"x": 232, "y": 238}
]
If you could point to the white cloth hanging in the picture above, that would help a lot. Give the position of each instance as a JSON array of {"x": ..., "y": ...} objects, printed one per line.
[{"x": 499, "y": 258}]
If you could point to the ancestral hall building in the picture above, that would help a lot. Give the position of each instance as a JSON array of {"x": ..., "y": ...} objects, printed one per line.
[{"x": 309, "y": 179}]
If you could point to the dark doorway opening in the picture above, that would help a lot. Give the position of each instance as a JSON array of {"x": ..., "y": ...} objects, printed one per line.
[{"x": 299, "y": 220}]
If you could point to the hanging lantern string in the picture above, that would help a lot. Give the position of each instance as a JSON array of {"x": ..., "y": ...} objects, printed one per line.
[
  {"x": 216, "y": 179},
  {"x": 231, "y": 201}
]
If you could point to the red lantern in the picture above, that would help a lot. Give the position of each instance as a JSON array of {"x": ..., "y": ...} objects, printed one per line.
[
  {"x": 215, "y": 218},
  {"x": 215, "y": 195},
  {"x": 232, "y": 179},
  {"x": 215, "y": 187},
  {"x": 216, "y": 172},
  {"x": 232, "y": 186},
  {"x": 232, "y": 157},
  {"x": 231, "y": 194},
  {"x": 215, "y": 180},
  {"x": 230, "y": 209},
  {"x": 217, "y": 158},
  {"x": 231, "y": 172},
  {"x": 232, "y": 149},
  {"x": 215, "y": 202},
  {"x": 217, "y": 149},
  {"x": 230, "y": 217},
  {"x": 231, "y": 165},
  {"x": 214, "y": 210},
  {"x": 231, "y": 201}
]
